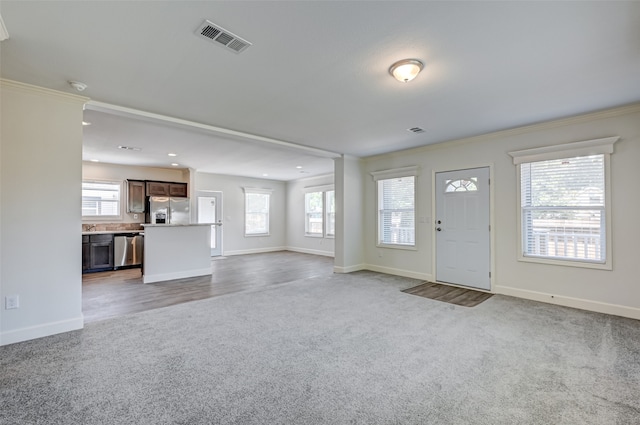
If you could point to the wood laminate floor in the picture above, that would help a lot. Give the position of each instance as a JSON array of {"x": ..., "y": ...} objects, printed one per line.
[
  {"x": 449, "y": 294},
  {"x": 115, "y": 293}
]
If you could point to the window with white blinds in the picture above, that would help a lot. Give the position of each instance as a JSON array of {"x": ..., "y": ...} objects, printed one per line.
[
  {"x": 396, "y": 211},
  {"x": 563, "y": 208},
  {"x": 101, "y": 199}
]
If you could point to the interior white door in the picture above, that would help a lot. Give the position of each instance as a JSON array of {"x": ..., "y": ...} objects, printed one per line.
[
  {"x": 462, "y": 228},
  {"x": 210, "y": 211}
]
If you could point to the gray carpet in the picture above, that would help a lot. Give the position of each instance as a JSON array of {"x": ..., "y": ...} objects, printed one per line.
[{"x": 349, "y": 349}]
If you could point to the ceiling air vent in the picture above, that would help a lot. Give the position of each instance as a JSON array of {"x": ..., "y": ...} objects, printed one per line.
[
  {"x": 416, "y": 130},
  {"x": 215, "y": 33}
]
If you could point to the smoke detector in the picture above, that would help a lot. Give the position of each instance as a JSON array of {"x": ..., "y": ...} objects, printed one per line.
[
  {"x": 220, "y": 36},
  {"x": 78, "y": 85}
]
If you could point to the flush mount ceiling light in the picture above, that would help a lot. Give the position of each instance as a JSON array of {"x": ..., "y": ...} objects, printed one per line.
[{"x": 406, "y": 70}]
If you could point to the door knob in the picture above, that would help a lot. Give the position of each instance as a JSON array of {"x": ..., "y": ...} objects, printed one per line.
[{"x": 438, "y": 229}]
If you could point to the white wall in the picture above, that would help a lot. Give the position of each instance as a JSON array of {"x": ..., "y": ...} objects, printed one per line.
[
  {"x": 40, "y": 203},
  {"x": 114, "y": 172},
  {"x": 616, "y": 291},
  {"x": 233, "y": 240},
  {"x": 296, "y": 239}
]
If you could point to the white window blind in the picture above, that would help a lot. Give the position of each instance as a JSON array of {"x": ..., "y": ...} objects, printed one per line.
[
  {"x": 563, "y": 208},
  {"x": 313, "y": 206},
  {"x": 256, "y": 212},
  {"x": 396, "y": 211},
  {"x": 101, "y": 199}
]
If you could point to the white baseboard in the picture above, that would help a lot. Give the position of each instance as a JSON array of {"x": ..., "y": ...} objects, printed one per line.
[
  {"x": 311, "y": 251},
  {"x": 582, "y": 304},
  {"x": 175, "y": 275},
  {"x": 39, "y": 331},
  {"x": 254, "y": 251},
  {"x": 399, "y": 272},
  {"x": 349, "y": 269}
]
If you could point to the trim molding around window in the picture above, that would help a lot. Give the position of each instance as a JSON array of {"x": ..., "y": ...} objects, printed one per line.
[
  {"x": 571, "y": 227},
  {"x": 257, "y": 206},
  {"x": 396, "y": 213},
  {"x": 101, "y": 199}
]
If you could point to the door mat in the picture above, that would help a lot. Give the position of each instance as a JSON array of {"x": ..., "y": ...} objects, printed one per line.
[{"x": 449, "y": 294}]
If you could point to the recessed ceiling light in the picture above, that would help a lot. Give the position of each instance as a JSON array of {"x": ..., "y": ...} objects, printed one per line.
[
  {"x": 172, "y": 154},
  {"x": 86, "y": 123},
  {"x": 175, "y": 164},
  {"x": 265, "y": 175},
  {"x": 298, "y": 166},
  {"x": 94, "y": 160}
]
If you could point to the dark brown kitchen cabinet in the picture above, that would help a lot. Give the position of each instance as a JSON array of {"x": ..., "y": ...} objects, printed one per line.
[
  {"x": 86, "y": 253},
  {"x": 178, "y": 189},
  {"x": 97, "y": 253},
  {"x": 157, "y": 189},
  {"x": 135, "y": 196},
  {"x": 167, "y": 189}
]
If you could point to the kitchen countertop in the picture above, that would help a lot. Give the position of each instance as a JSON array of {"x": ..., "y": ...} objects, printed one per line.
[
  {"x": 145, "y": 225},
  {"x": 109, "y": 232}
]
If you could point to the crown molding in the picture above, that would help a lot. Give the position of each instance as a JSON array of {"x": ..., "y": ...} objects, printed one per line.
[
  {"x": 546, "y": 125},
  {"x": 29, "y": 88}
]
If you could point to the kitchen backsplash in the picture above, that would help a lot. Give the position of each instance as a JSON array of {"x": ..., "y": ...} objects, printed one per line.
[{"x": 102, "y": 227}]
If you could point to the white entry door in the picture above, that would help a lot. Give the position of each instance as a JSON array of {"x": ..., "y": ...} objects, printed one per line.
[
  {"x": 462, "y": 228},
  {"x": 210, "y": 211}
]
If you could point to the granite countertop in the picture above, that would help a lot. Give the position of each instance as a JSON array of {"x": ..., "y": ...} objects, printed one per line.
[
  {"x": 109, "y": 232},
  {"x": 145, "y": 225}
]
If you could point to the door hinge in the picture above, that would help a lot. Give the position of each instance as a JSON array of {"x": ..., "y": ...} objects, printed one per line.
[
  {"x": 489, "y": 275},
  {"x": 489, "y": 227}
]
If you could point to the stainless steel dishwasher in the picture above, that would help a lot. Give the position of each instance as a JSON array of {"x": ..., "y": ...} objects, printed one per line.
[{"x": 127, "y": 250}]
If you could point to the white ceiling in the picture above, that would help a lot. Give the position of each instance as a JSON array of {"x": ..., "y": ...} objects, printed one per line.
[{"x": 317, "y": 73}]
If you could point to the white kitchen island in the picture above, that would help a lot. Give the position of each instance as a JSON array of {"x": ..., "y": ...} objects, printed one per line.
[{"x": 176, "y": 251}]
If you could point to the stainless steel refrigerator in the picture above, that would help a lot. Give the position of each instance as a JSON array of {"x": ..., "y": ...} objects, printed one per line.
[{"x": 168, "y": 210}]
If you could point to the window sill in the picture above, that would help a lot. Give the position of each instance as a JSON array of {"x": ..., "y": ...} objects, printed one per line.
[
  {"x": 310, "y": 235},
  {"x": 256, "y": 235},
  {"x": 565, "y": 263},
  {"x": 402, "y": 247}
]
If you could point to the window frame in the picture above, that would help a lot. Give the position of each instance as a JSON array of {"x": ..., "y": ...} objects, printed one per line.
[
  {"x": 324, "y": 190},
  {"x": 307, "y": 214},
  {"x": 257, "y": 191},
  {"x": 115, "y": 217},
  {"x": 602, "y": 146},
  {"x": 378, "y": 176},
  {"x": 327, "y": 212}
]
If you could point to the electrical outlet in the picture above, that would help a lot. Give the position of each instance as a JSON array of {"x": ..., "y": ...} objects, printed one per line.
[
  {"x": 135, "y": 216},
  {"x": 11, "y": 302}
]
